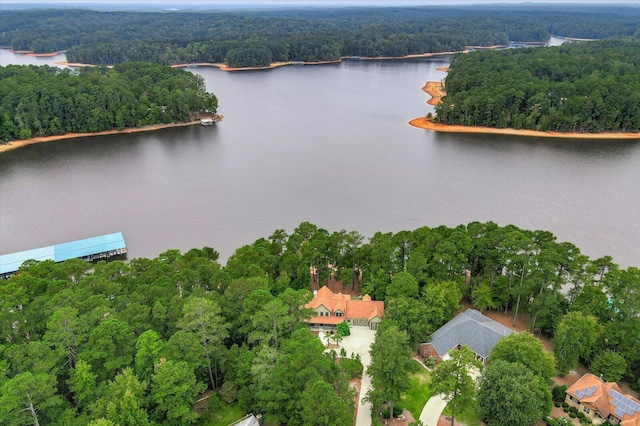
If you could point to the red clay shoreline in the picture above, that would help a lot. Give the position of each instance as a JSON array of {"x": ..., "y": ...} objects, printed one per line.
[
  {"x": 15, "y": 144},
  {"x": 436, "y": 91}
]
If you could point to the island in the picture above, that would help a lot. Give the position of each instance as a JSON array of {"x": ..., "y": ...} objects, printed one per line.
[
  {"x": 43, "y": 103},
  {"x": 581, "y": 90}
]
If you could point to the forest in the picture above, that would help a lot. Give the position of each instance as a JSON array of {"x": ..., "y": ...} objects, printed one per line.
[
  {"x": 44, "y": 100},
  {"x": 137, "y": 342},
  {"x": 577, "y": 87},
  {"x": 252, "y": 38}
]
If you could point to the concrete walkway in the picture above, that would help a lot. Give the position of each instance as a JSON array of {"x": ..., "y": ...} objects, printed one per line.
[
  {"x": 432, "y": 411},
  {"x": 359, "y": 342}
]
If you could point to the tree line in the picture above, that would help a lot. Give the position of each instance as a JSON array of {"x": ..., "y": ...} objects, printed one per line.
[
  {"x": 577, "y": 87},
  {"x": 250, "y": 38},
  {"x": 44, "y": 101},
  {"x": 136, "y": 342}
]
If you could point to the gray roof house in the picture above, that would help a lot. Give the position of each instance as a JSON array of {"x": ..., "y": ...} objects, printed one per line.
[{"x": 469, "y": 328}]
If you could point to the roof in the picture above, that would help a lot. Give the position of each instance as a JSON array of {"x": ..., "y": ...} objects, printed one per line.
[
  {"x": 351, "y": 309},
  {"x": 248, "y": 420},
  {"x": 607, "y": 398},
  {"x": 11, "y": 262},
  {"x": 469, "y": 328}
]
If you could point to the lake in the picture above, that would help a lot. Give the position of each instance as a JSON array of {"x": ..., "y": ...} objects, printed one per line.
[{"x": 329, "y": 144}]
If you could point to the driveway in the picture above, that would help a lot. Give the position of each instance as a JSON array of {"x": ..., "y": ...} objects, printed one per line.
[
  {"x": 359, "y": 342},
  {"x": 432, "y": 410}
]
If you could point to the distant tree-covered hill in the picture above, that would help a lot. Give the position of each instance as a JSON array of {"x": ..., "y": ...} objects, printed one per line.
[
  {"x": 43, "y": 101},
  {"x": 581, "y": 87},
  {"x": 252, "y": 38}
]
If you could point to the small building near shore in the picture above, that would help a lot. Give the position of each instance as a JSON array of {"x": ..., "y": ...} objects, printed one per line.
[{"x": 91, "y": 249}]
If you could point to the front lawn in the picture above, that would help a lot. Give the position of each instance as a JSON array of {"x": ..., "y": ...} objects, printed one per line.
[
  {"x": 222, "y": 414},
  {"x": 469, "y": 417},
  {"x": 419, "y": 393}
]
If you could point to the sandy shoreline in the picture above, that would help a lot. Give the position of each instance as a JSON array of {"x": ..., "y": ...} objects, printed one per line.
[
  {"x": 435, "y": 90},
  {"x": 224, "y": 67},
  {"x": 15, "y": 144},
  {"x": 423, "y": 123}
]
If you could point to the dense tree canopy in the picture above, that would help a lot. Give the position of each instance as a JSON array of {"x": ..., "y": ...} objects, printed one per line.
[
  {"x": 134, "y": 342},
  {"x": 250, "y": 38},
  {"x": 42, "y": 101},
  {"x": 577, "y": 87},
  {"x": 511, "y": 395}
]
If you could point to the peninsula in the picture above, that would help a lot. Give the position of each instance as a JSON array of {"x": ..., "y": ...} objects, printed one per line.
[
  {"x": 586, "y": 91},
  {"x": 43, "y": 103}
]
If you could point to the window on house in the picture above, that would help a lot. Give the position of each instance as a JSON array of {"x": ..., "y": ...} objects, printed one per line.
[
  {"x": 338, "y": 314},
  {"x": 586, "y": 410}
]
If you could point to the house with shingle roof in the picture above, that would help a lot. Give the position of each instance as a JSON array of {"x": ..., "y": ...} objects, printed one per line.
[
  {"x": 603, "y": 401},
  {"x": 469, "y": 328},
  {"x": 333, "y": 308}
]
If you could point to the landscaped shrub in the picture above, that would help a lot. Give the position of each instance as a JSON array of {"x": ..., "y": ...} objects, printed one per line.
[
  {"x": 573, "y": 415},
  {"x": 352, "y": 367},
  {"x": 565, "y": 405},
  {"x": 430, "y": 361},
  {"x": 573, "y": 410},
  {"x": 397, "y": 410},
  {"x": 581, "y": 416},
  {"x": 557, "y": 404},
  {"x": 558, "y": 393},
  {"x": 565, "y": 409}
]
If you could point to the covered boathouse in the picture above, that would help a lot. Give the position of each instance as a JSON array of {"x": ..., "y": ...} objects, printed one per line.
[{"x": 89, "y": 249}]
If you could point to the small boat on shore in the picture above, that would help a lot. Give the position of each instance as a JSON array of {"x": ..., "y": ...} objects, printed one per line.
[{"x": 206, "y": 121}]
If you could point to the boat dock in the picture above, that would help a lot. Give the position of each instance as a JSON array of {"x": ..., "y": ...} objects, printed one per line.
[{"x": 93, "y": 249}]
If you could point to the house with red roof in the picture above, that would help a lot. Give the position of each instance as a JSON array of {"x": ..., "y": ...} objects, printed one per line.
[
  {"x": 603, "y": 401},
  {"x": 333, "y": 308}
]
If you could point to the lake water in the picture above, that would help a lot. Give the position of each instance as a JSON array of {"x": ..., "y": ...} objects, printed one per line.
[{"x": 329, "y": 144}]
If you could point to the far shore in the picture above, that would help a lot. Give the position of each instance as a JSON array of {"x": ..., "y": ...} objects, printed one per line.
[
  {"x": 436, "y": 90},
  {"x": 15, "y": 144},
  {"x": 224, "y": 67},
  {"x": 423, "y": 123}
]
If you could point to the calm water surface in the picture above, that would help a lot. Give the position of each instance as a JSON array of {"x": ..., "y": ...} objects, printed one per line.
[{"x": 327, "y": 144}]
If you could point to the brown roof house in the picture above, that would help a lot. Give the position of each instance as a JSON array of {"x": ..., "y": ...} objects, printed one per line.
[
  {"x": 603, "y": 401},
  {"x": 469, "y": 328},
  {"x": 331, "y": 309}
]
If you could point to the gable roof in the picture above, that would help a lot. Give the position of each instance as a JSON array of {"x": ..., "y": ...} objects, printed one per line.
[
  {"x": 607, "y": 398},
  {"x": 351, "y": 309},
  {"x": 469, "y": 328}
]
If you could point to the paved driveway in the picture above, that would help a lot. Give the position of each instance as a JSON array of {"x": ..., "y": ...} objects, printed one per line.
[
  {"x": 360, "y": 342},
  {"x": 432, "y": 410}
]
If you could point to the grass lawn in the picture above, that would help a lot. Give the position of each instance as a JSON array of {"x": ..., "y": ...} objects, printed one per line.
[
  {"x": 419, "y": 392},
  {"x": 470, "y": 416},
  {"x": 222, "y": 415}
]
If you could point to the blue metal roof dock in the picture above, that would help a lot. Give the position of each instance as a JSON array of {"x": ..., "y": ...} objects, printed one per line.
[{"x": 89, "y": 249}]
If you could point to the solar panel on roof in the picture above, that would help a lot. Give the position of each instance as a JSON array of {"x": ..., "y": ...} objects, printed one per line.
[
  {"x": 579, "y": 394},
  {"x": 618, "y": 412},
  {"x": 590, "y": 391}
]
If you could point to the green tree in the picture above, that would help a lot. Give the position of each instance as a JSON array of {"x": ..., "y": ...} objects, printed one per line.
[
  {"x": 390, "y": 366},
  {"x": 609, "y": 365},
  {"x": 149, "y": 347},
  {"x": 174, "y": 389},
  {"x": 270, "y": 323},
  {"x": 30, "y": 399},
  {"x": 575, "y": 338},
  {"x": 203, "y": 318},
  {"x": 511, "y": 395},
  {"x": 82, "y": 383},
  {"x": 322, "y": 406},
  {"x": 66, "y": 332},
  {"x": 110, "y": 348},
  {"x": 451, "y": 379},
  {"x": 482, "y": 297},
  {"x": 525, "y": 349},
  {"x": 409, "y": 314},
  {"x": 403, "y": 284}
]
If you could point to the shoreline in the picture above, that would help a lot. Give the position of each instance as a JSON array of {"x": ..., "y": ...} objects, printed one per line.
[
  {"x": 423, "y": 123},
  {"x": 224, "y": 67},
  {"x": 435, "y": 90},
  {"x": 15, "y": 144}
]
